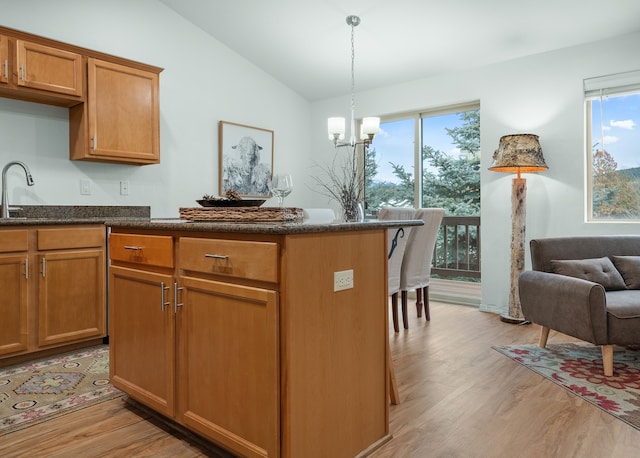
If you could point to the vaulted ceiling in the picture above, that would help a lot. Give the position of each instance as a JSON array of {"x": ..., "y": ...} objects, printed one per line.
[{"x": 306, "y": 44}]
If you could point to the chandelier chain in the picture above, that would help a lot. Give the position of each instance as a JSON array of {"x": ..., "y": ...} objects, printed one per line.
[{"x": 353, "y": 83}]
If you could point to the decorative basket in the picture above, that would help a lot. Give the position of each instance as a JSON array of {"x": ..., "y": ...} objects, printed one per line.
[{"x": 242, "y": 214}]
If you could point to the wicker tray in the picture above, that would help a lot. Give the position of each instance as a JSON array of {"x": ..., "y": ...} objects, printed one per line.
[{"x": 242, "y": 214}]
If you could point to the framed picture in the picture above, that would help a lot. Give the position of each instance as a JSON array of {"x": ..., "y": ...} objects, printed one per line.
[{"x": 245, "y": 159}]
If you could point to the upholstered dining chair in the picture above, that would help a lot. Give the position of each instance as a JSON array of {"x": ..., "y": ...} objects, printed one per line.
[
  {"x": 416, "y": 262},
  {"x": 396, "y": 244},
  {"x": 318, "y": 215}
]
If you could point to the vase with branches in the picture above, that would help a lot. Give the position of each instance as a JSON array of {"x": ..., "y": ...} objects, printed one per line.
[{"x": 343, "y": 181}]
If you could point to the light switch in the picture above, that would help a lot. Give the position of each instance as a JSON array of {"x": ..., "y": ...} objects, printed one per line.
[{"x": 85, "y": 187}]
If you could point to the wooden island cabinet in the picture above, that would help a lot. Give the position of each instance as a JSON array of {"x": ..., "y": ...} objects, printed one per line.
[{"x": 236, "y": 332}]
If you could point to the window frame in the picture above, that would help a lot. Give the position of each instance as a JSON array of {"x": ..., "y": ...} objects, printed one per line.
[
  {"x": 597, "y": 88},
  {"x": 417, "y": 117}
]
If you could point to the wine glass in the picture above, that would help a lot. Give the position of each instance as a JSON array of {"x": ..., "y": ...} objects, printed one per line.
[{"x": 281, "y": 186}]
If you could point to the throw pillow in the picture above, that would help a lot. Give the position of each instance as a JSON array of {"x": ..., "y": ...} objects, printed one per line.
[
  {"x": 598, "y": 270},
  {"x": 629, "y": 267}
]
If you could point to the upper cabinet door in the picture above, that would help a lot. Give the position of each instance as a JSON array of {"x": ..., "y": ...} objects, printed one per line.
[
  {"x": 4, "y": 59},
  {"x": 123, "y": 113},
  {"x": 49, "y": 69}
]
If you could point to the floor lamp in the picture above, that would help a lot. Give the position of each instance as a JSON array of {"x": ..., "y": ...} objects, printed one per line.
[{"x": 519, "y": 153}]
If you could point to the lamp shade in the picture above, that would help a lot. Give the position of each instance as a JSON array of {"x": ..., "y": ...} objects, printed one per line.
[
  {"x": 518, "y": 153},
  {"x": 335, "y": 128},
  {"x": 370, "y": 126}
]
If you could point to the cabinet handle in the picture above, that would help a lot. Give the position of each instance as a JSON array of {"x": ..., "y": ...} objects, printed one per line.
[
  {"x": 22, "y": 72},
  {"x": 93, "y": 143},
  {"x": 131, "y": 247},
  {"x": 26, "y": 268},
  {"x": 176, "y": 304},
  {"x": 6, "y": 68},
  {"x": 216, "y": 256},
  {"x": 44, "y": 267},
  {"x": 163, "y": 303}
]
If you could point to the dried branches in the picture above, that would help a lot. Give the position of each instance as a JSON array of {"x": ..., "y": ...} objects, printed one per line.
[{"x": 343, "y": 181}]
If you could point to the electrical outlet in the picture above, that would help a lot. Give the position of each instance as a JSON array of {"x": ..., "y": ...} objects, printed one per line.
[
  {"x": 124, "y": 188},
  {"x": 85, "y": 187},
  {"x": 343, "y": 280}
]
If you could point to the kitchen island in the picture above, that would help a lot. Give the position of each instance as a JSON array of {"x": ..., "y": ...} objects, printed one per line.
[{"x": 237, "y": 331}]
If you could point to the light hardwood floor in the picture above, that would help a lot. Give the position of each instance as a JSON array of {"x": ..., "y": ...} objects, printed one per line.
[{"x": 460, "y": 398}]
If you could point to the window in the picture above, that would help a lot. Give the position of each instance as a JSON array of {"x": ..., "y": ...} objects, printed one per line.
[
  {"x": 451, "y": 161},
  {"x": 443, "y": 146},
  {"x": 613, "y": 147},
  {"x": 390, "y": 161}
]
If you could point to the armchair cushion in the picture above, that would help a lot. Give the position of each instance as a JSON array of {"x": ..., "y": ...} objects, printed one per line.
[
  {"x": 629, "y": 267},
  {"x": 597, "y": 270},
  {"x": 624, "y": 304}
]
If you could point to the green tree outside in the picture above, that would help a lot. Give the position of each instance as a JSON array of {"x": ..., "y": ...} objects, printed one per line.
[
  {"x": 452, "y": 183},
  {"x": 615, "y": 193}
]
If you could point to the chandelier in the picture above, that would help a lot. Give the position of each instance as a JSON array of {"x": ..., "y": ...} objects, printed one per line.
[{"x": 336, "y": 125}]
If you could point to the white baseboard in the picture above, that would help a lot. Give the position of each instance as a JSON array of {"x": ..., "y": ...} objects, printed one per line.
[{"x": 455, "y": 292}]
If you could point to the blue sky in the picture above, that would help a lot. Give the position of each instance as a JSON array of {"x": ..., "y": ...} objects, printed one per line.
[
  {"x": 621, "y": 128},
  {"x": 395, "y": 142}
]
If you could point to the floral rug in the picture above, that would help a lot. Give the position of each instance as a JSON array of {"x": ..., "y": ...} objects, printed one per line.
[
  {"x": 578, "y": 368},
  {"x": 36, "y": 391}
]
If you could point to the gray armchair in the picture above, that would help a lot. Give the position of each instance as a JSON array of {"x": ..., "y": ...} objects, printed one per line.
[{"x": 585, "y": 287}]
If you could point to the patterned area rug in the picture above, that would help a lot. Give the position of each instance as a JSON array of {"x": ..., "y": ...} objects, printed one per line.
[
  {"x": 578, "y": 368},
  {"x": 36, "y": 391}
]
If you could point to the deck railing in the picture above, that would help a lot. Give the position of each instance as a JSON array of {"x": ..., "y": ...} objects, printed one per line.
[{"x": 457, "y": 251}]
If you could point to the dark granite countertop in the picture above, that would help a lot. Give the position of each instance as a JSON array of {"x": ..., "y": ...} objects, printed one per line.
[
  {"x": 138, "y": 217},
  {"x": 256, "y": 227},
  {"x": 30, "y": 215}
]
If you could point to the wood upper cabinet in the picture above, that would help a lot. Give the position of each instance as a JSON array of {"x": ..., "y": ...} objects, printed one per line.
[
  {"x": 47, "y": 68},
  {"x": 39, "y": 72},
  {"x": 114, "y": 110},
  {"x": 120, "y": 121},
  {"x": 4, "y": 59}
]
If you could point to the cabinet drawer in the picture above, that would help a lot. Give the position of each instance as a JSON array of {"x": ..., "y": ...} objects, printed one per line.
[
  {"x": 152, "y": 250},
  {"x": 243, "y": 259},
  {"x": 14, "y": 240},
  {"x": 74, "y": 237}
]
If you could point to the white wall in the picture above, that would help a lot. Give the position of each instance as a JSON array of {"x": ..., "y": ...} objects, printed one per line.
[
  {"x": 541, "y": 94},
  {"x": 203, "y": 82}
]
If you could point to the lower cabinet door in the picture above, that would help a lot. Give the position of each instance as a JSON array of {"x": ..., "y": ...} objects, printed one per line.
[
  {"x": 228, "y": 379},
  {"x": 71, "y": 304},
  {"x": 142, "y": 337},
  {"x": 13, "y": 307}
]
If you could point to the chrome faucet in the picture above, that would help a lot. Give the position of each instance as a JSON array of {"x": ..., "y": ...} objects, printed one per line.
[{"x": 4, "y": 205}]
